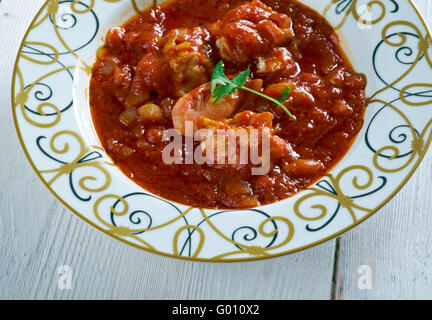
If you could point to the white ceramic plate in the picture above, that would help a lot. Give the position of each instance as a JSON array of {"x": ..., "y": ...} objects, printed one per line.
[{"x": 390, "y": 44}]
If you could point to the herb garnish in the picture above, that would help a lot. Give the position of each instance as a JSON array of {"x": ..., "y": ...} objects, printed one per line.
[{"x": 222, "y": 86}]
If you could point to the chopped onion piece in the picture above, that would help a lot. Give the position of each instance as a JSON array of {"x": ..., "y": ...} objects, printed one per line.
[
  {"x": 151, "y": 112},
  {"x": 128, "y": 116}
]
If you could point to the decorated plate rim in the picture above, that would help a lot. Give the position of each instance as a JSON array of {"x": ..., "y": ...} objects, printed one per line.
[{"x": 180, "y": 257}]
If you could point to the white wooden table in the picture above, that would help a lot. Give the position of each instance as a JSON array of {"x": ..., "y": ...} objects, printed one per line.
[{"x": 38, "y": 234}]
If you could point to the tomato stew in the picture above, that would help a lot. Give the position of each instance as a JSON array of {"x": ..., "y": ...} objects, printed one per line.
[{"x": 150, "y": 67}]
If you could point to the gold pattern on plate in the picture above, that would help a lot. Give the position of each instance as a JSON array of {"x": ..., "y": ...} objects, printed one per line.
[
  {"x": 423, "y": 46},
  {"x": 344, "y": 201},
  {"x": 75, "y": 164},
  {"x": 352, "y": 10},
  {"x": 419, "y": 144}
]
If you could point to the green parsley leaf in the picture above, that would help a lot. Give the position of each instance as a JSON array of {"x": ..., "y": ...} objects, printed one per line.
[
  {"x": 218, "y": 77},
  {"x": 285, "y": 94},
  {"x": 222, "y": 86},
  {"x": 240, "y": 80}
]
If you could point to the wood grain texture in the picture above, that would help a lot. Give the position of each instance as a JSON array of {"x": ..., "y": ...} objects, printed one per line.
[
  {"x": 396, "y": 242},
  {"x": 37, "y": 234}
]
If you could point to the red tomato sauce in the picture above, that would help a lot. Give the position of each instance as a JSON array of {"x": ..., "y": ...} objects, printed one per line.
[{"x": 167, "y": 51}]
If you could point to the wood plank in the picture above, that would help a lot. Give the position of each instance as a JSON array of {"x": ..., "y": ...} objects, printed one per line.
[
  {"x": 396, "y": 242},
  {"x": 37, "y": 235}
]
